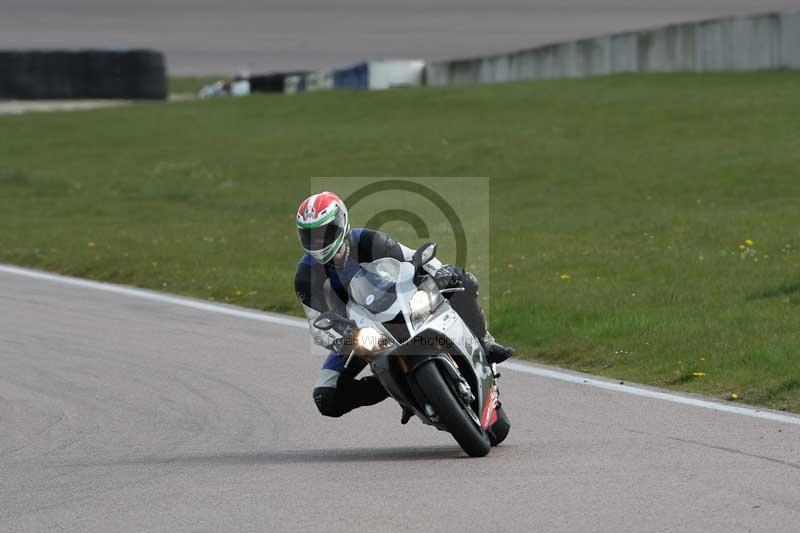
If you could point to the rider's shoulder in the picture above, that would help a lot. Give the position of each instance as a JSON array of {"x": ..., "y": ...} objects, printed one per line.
[
  {"x": 361, "y": 234},
  {"x": 307, "y": 262},
  {"x": 357, "y": 233}
]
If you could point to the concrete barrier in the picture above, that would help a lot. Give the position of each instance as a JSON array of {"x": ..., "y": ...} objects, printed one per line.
[
  {"x": 624, "y": 53},
  {"x": 790, "y": 40},
  {"x": 764, "y": 41},
  {"x": 667, "y": 49}
]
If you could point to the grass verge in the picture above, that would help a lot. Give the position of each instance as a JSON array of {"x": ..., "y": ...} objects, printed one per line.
[
  {"x": 643, "y": 227},
  {"x": 191, "y": 84}
]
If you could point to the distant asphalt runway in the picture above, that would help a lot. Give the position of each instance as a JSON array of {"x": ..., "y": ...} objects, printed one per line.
[
  {"x": 223, "y": 36},
  {"x": 124, "y": 411}
]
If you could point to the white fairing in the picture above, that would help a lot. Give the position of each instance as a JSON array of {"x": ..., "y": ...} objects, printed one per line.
[
  {"x": 444, "y": 320},
  {"x": 364, "y": 317},
  {"x": 450, "y": 328}
]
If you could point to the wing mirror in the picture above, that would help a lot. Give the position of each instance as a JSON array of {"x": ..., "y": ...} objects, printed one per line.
[
  {"x": 323, "y": 322},
  {"x": 423, "y": 255}
]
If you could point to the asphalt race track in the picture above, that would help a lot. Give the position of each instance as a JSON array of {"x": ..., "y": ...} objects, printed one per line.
[
  {"x": 223, "y": 36},
  {"x": 119, "y": 413}
]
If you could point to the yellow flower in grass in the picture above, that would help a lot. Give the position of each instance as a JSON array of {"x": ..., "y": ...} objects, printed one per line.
[
  {"x": 565, "y": 277},
  {"x": 742, "y": 246},
  {"x": 734, "y": 396},
  {"x": 238, "y": 292},
  {"x": 698, "y": 374},
  {"x": 749, "y": 242},
  {"x": 91, "y": 244}
]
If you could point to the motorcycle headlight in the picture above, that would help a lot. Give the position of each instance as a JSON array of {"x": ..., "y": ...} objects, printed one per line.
[
  {"x": 420, "y": 305},
  {"x": 425, "y": 301},
  {"x": 371, "y": 339}
]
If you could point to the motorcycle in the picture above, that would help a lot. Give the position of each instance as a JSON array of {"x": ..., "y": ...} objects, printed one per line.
[{"x": 421, "y": 350}]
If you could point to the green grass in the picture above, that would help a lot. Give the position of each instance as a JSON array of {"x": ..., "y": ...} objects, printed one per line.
[
  {"x": 191, "y": 84},
  {"x": 623, "y": 183}
]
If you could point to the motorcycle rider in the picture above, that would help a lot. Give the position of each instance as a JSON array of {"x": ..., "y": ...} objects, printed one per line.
[{"x": 333, "y": 252}]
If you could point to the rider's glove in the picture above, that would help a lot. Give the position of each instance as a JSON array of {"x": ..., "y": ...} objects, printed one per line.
[
  {"x": 338, "y": 345},
  {"x": 448, "y": 276},
  {"x": 344, "y": 345}
]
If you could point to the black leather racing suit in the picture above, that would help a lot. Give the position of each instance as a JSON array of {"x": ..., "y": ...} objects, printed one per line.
[{"x": 322, "y": 288}]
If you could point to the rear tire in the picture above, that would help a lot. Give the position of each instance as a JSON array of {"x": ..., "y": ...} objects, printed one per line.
[
  {"x": 499, "y": 430},
  {"x": 451, "y": 412}
]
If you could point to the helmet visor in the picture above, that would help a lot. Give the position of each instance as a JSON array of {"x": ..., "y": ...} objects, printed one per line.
[{"x": 321, "y": 237}]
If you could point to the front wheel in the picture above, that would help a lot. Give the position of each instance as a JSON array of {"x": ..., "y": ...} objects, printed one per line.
[{"x": 452, "y": 414}]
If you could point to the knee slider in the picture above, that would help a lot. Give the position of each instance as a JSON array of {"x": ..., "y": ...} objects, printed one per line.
[{"x": 325, "y": 400}]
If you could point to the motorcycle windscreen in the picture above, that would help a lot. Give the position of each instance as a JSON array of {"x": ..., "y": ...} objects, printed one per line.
[{"x": 374, "y": 287}]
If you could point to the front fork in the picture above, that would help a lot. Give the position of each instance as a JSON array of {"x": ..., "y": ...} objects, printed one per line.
[{"x": 465, "y": 392}]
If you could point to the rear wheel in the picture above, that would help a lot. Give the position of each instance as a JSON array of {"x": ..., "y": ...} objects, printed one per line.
[
  {"x": 451, "y": 412},
  {"x": 499, "y": 430}
]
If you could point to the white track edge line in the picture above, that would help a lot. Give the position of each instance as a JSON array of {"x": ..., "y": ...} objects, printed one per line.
[
  {"x": 592, "y": 381},
  {"x": 156, "y": 296},
  {"x": 580, "y": 379}
]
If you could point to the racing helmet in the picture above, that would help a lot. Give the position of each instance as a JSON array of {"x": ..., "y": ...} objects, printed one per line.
[{"x": 322, "y": 225}]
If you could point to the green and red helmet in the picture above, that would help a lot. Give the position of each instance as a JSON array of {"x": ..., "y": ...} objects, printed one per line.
[{"x": 322, "y": 225}]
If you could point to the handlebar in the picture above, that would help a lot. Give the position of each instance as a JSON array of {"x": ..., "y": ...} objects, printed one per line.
[{"x": 452, "y": 290}]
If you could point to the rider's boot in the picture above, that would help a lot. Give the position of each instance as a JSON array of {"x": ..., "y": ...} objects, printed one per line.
[{"x": 495, "y": 352}]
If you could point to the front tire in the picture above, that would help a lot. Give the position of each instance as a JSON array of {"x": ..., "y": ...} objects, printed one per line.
[{"x": 451, "y": 412}]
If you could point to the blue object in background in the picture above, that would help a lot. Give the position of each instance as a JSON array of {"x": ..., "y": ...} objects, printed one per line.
[{"x": 355, "y": 77}]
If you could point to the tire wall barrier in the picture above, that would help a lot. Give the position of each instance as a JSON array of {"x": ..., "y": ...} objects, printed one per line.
[
  {"x": 83, "y": 74},
  {"x": 274, "y": 82},
  {"x": 766, "y": 41}
]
